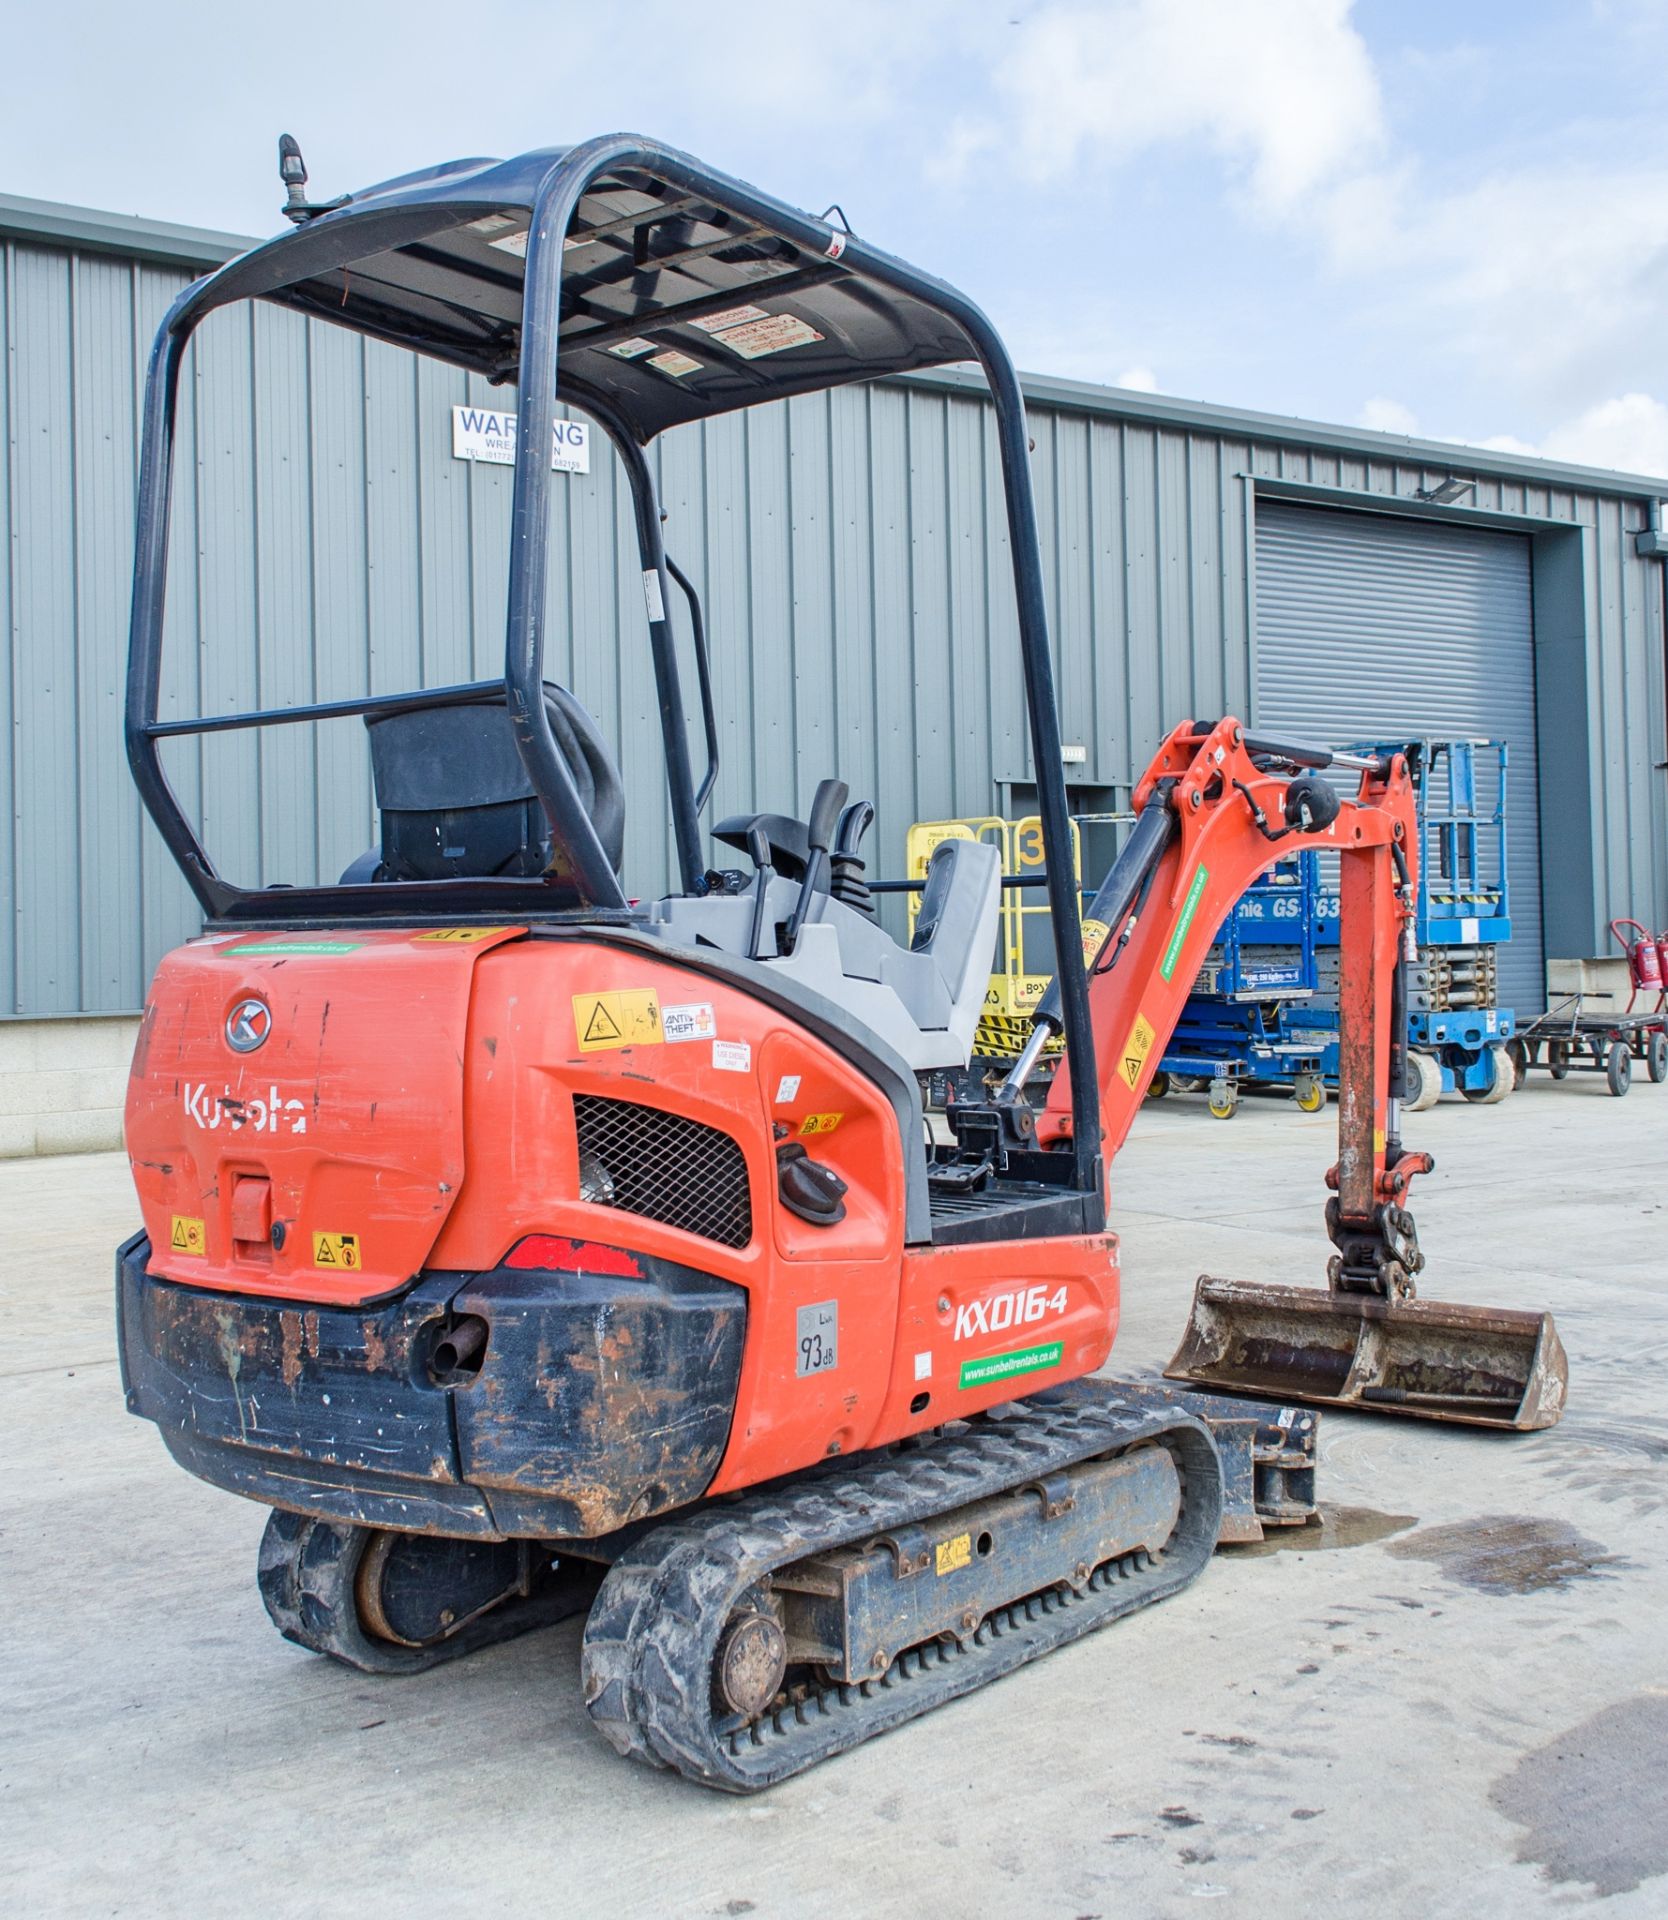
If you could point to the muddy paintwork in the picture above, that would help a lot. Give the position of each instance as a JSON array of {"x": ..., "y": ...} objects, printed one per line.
[{"x": 600, "y": 1398}]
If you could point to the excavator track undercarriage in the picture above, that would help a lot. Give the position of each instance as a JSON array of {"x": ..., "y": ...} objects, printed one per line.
[{"x": 946, "y": 1567}]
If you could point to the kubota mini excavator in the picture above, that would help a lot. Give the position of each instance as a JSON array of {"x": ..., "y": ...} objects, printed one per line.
[{"x": 529, "y": 1250}]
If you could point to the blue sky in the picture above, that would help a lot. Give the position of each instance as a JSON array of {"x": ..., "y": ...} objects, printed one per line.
[{"x": 1450, "y": 220}]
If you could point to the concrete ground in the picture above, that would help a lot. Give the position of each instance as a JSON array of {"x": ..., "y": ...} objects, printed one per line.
[{"x": 1451, "y": 1700}]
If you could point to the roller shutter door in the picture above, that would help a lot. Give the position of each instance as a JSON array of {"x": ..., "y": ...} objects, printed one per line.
[{"x": 1369, "y": 626}]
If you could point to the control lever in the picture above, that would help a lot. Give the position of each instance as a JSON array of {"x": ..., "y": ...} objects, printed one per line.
[
  {"x": 845, "y": 862},
  {"x": 758, "y": 851},
  {"x": 819, "y": 835}
]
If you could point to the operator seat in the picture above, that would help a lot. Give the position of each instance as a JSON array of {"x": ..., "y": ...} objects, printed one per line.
[
  {"x": 455, "y": 800},
  {"x": 923, "y": 1000}
]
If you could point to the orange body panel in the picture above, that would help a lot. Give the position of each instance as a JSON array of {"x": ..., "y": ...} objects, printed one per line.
[
  {"x": 433, "y": 1126},
  {"x": 349, "y": 1110}
]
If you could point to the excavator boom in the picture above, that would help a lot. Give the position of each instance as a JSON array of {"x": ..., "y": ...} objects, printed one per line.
[{"x": 1212, "y": 809}]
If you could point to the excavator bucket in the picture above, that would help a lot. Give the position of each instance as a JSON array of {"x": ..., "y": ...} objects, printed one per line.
[{"x": 1475, "y": 1366}]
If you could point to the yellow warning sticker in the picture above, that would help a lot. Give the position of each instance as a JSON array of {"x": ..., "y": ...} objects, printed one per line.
[
  {"x": 953, "y": 1553},
  {"x": 629, "y": 1017},
  {"x": 188, "y": 1235},
  {"x": 1136, "y": 1048},
  {"x": 820, "y": 1122},
  {"x": 460, "y": 936},
  {"x": 1094, "y": 938},
  {"x": 336, "y": 1250}
]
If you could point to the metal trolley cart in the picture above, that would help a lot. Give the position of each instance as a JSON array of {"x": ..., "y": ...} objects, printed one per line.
[
  {"x": 1580, "y": 1040},
  {"x": 1569, "y": 1038}
]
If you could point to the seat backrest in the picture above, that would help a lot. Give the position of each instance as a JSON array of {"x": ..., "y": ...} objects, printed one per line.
[
  {"x": 956, "y": 924},
  {"x": 455, "y": 799}
]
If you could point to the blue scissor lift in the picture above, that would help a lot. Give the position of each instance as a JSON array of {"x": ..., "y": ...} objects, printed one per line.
[
  {"x": 1456, "y": 1027},
  {"x": 1238, "y": 1027}
]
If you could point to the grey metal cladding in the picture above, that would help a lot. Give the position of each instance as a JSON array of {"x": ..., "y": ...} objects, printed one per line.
[{"x": 850, "y": 547}]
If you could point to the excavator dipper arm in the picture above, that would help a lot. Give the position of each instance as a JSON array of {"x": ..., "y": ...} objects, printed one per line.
[{"x": 1213, "y": 809}]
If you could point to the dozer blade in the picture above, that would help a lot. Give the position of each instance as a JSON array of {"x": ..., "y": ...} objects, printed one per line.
[{"x": 1477, "y": 1366}]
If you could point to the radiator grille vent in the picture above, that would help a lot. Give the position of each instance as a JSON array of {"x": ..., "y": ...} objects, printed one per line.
[{"x": 663, "y": 1167}]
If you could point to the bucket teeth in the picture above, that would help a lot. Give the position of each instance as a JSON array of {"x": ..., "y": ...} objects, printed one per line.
[{"x": 1475, "y": 1366}]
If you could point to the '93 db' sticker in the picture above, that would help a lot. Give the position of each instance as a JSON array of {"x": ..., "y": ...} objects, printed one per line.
[{"x": 818, "y": 1334}]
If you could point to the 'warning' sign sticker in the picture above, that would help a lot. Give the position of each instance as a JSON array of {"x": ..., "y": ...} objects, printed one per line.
[
  {"x": 1136, "y": 1048},
  {"x": 460, "y": 936},
  {"x": 188, "y": 1235},
  {"x": 336, "y": 1250},
  {"x": 951, "y": 1555},
  {"x": 628, "y": 1017}
]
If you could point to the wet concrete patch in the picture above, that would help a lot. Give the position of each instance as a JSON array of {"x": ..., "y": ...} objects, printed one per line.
[
  {"x": 1592, "y": 1799},
  {"x": 1509, "y": 1553},
  {"x": 1331, "y": 1528}
]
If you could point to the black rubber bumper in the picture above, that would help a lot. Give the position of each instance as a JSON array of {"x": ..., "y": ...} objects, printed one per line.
[{"x": 600, "y": 1398}]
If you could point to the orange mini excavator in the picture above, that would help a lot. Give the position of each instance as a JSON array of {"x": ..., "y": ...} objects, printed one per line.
[{"x": 531, "y": 1250}]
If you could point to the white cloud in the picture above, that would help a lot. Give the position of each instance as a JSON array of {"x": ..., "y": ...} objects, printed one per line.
[
  {"x": 1548, "y": 272},
  {"x": 1284, "y": 90},
  {"x": 1138, "y": 380},
  {"x": 1629, "y": 432},
  {"x": 1388, "y": 416}
]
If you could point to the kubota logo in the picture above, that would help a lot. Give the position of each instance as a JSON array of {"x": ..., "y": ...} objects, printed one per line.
[
  {"x": 247, "y": 1025},
  {"x": 1021, "y": 1308},
  {"x": 270, "y": 1112}
]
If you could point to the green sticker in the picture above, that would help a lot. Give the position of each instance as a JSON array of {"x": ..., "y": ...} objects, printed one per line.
[
  {"x": 1190, "y": 906},
  {"x": 295, "y": 946},
  {"x": 1000, "y": 1366}
]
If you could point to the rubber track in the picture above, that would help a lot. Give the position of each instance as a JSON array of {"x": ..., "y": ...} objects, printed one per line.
[
  {"x": 306, "y": 1573},
  {"x": 654, "y": 1628}
]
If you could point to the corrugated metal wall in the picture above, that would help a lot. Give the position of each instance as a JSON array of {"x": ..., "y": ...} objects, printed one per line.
[{"x": 851, "y": 550}]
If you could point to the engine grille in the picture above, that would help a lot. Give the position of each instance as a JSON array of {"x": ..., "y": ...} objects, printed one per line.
[{"x": 665, "y": 1168}]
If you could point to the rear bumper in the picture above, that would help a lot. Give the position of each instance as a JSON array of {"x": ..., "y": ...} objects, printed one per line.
[{"x": 600, "y": 1399}]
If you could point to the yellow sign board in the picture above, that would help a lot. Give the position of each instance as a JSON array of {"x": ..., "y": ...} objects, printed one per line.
[
  {"x": 954, "y": 1553},
  {"x": 628, "y": 1017},
  {"x": 1135, "y": 1050},
  {"x": 336, "y": 1250},
  {"x": 461, "y": 936},
  {"x": 188, "y": 1235},
  {"x": 820, "y": 1122}
]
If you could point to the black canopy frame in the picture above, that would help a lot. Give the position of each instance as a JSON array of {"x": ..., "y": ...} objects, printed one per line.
[{"x": 424, "y": 263}]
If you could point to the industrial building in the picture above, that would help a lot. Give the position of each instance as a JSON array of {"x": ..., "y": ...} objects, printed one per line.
[{"x": 337, "y": 531}]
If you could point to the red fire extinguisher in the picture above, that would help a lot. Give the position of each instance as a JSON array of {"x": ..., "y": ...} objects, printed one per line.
[{"x": 1647, "y": 958}]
